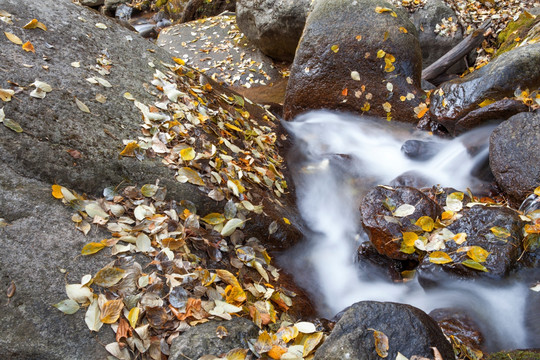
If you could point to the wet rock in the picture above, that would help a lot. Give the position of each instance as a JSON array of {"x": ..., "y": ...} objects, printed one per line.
[
  {"x": 485, "y": 227},
  {"x": 110, "y": 6},
  {"x": 383, "y": 228},
  {"x": 525, "y": 27},
  {"x": 203, "y": 340},
  {"x": 439, "y": 195},
  {"x": 41, "y": 253},
  {"x": 498, "y": 111},
  {"x": 514, "y": 155},
  {"x": 92, "y": 3},
  {"x": 234, "y": 60},
  {"x": 274, "y": 26},
  {"x": 199, "y": 9},
  {"x": 434, "y": 45},
  {"x": 413, "y": 179},
  {"x": 374, "y": 266},
  {"x": 352, "y": 337},
  {"x": 420, "y": 150},
  {"x": 498, "y": 79},
  {"x": 337, "y": 65},
  {"x": 529, "y": 354},
  {"x": 456, "y": 322},
  {"x": 532, "y": 318},
  {"x": 123, "y": 12}
]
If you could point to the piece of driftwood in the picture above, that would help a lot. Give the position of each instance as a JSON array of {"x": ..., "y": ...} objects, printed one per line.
[{"x": 457, "y": 53}]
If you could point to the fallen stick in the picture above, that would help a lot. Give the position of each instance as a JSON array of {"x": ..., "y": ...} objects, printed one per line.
[{"x": 457, "y": 53}]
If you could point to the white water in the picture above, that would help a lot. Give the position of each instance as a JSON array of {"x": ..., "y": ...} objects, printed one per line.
[{"x": 336, "y": 160}]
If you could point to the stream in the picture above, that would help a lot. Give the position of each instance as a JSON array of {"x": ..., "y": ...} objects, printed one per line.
[{"x": 337, "y": 159}]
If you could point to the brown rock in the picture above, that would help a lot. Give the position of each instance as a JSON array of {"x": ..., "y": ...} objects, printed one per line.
[{"x": 352, "y": 57}]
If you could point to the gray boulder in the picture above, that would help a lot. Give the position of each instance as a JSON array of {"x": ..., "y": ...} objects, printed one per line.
[
  {"x": 500, "y": 78},
  {"x": 353, "y": 58},
  {"x": 234, "y": 60},
  {"x": 409, "y": 330},
  {"x": 203, "y": 340},
  {"x": 274, "y": 26},
  {"x": 434, "y": 45},
  {"x": 514, "y": 155},
  {"x": 40, "y": 254}
]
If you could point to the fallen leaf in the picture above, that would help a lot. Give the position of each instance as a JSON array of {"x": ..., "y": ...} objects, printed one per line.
[
  {"x": 355, "y": 75},
  {"x": 214, "y": 219},
  {"x": 409, "y": 238},
  {"x": 131, "y": 149},
  {"x": 27, "y": 46},
  {"x": 440, "y": 257},
  {"x": 108, "y": 276},
  {"x": 187, "y": 154},
  {"x": 13, "y": 38},
  {"x": 11, "y": 290},
  {"x": 111, "y": 311},
  {"x": 474, "y": 265},
  {"x": 13, "y": 125},
  {"x": 92, "y": 248},
  {"x": 101, "y": 26},
  {"x": 404, "y": 210},
  {"x": 335, "y": 48},
  {"x": 82, "y": 106},
  {"x": 67, "y": 306},
  {"x": 381, "y": 343},
  {"x": 305, "y": 327},
  {"x": 231, "y": 225},
  {"x": 6, "y": 94},
  {"x": 133, "y": 316},
  {"x": 501, "y": 232},
  {"x": 426, "y": 223},
  {"x": 478, "y": 253},
  {"x": 186, "y": 174}
]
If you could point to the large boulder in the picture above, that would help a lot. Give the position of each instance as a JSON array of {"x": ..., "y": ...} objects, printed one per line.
[
  {"x": 437, "y": 38},
  {"x": 234, "y": 60},
  {"x": 203, "y": 340},
  {"x": 353, "y": 334},
  {"x": 496, "y": 230},
  {"x": 40, "y": 253},
  {"x": 384, "y": 227},
  {"x": 359, "y": 56},
  {"x": 515, "y": 69},
  {"x": 274, "y": 26},
  {"x": 514, "y": 155}
]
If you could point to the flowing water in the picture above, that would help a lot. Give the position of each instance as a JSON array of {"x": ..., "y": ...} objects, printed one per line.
[{"x": 336, "y": 160}]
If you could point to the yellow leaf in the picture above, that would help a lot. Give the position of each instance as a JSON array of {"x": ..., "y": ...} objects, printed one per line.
[
  {"x": 57, "y": 192},
  {"x": 179, "y": 61},
  {"x": 6, "y": 94},
  {"x": 149, "y": 190},
  {"x": 111, "y": 311},
  {"x": 486, "y": 102},
  {"x": 92, "y": 248},
  {"x": 366, "y": 107},
  {"x": 447, "y": 215},
  {"x": 27, "y": 46},
  {"x": 537, "y": 191},
  {"x": 422, "y": 113},
  {"x": 186, "y": 174},
  {"x": 288, "y": 333},
  {"x": 108, "y": 276},
  {"x": 458, "y": 195},
  {"x": 133, "y": 316},
  {"x": 287, "y": 221},
  {"x": 13, "y": 38},
  {"x": 233, "y": 292},
  {"x": 214, "y": 219},
  {"x": 387, "y": 107},
  {"x": 237, "y": 354},
  {"x": 440, "y": 257},
  {"x": 403, "y": 30},
  {"x": 311, "y": 341},
  {"x": 381, "y": 343},
  {"x": 130, "y": 149},
  {"x": 426, "y": 223},
  {"x": 236, "y": 128},
  {"x": 31, "y": 25},
  {"x": 381, "y": 10},
  {"x": 187, "y": 154},
  {"x": 381, "y": 53},
  {"x": 409, "y": 238},
  {"x": 478, "y": 253},
  {"x": 500, "y": 232},
  {"x": 460, "y": 238},
  {"x": 474, "y": 265}
]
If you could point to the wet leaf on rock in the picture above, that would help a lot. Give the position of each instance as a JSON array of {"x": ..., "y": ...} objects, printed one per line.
[
  {"x": 34, "y": 23},
  {"x": 440, "y": 257},
  {"x": 426, "y": 223},
  {"x": 389, "y": 204},
  {"x": 6, "y": 94},
  {"x": 82, "y": 106},
  {"x": 149, "y": 190},
  {"x": 500, "y": 232},
  {"x": 478, "y": 253},
  {"x": 214, "y": 219},
  {"x": 221, "y": 332},
  {"x": 474, "y": 265},
  {"x": 27, "y": 46},
  {"x": 13, "y": 38},
  {"x": 131, "y": 149},
  {"x": 404, "y": 210},
  {"x": 13, "y": 125},
  {"x": 230, "y": 226},
  {"x": 381, "y": 343},
  {"x": 108, "y": 276}
]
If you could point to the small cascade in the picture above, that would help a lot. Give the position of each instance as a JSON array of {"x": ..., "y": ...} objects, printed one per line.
[{"x": 337, "y": 159}]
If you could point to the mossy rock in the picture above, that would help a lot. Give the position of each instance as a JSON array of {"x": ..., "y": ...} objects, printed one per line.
[
  {"x": 515, "y": 355},
  {"x": 517, "y": 31}
]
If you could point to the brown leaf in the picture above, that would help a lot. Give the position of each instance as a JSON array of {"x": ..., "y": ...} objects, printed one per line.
[
  {"x": 76, "y": 154},
  {"x": 381, "y": 343},
  {"x": 111, "y": 311},
  {"x": 123, "y": 331},
  {"x": 11, "y": 290},
  {"x": 156, "y": 316}
]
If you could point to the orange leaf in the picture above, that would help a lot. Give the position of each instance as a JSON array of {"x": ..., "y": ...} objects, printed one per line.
[
  {"x": 422, "y": 113},
  {"x": 57, "y": 192},
  {"x": 111, "y": 311},
  {"x": 27, "y": 46},
  {"x": 276, "y": 352},
  {"x": 345, "y": 92},
  {"x": 130, "y": 149}
]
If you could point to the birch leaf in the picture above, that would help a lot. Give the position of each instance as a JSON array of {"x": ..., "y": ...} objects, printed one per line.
[
  {"x": 404, "y": 210},
  {"x": 13, "y": 38},
  {"x": 92, "y": 316},
  {"x": 13, "y": 125},
  {"x": 111, "y": 311},
  {"x": 230, "y": 226},
  {"x": 67, "y": 306},
  {"x": 440, "y": 257},
  {"x": 82, "y": 106}
]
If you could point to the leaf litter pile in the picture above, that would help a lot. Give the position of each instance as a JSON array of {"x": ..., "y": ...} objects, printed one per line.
[{"x": 173, "y": 268}]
